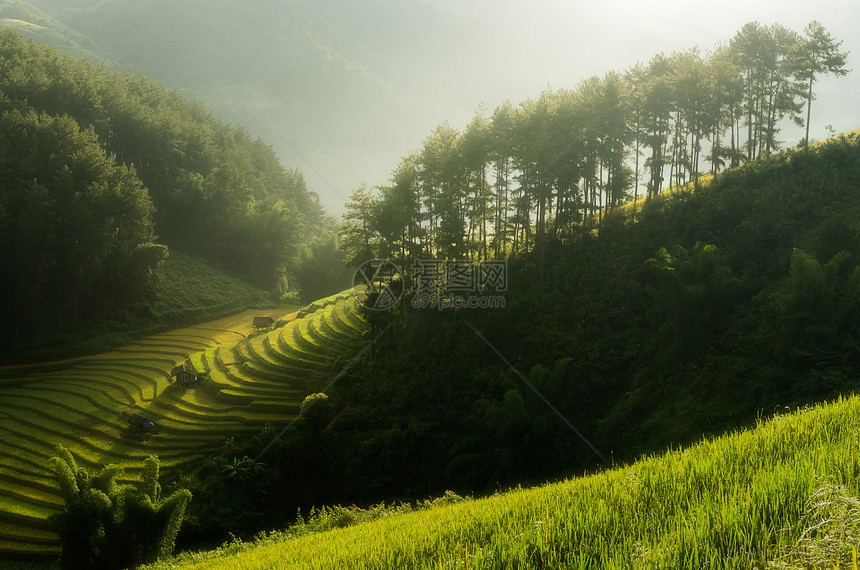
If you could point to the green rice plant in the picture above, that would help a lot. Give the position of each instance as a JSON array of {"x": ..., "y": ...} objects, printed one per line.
[
  {"x": 354, "y": 330},
  {"x": 323, "y": 333},
  {"x": 18, "y": 509},
  {"x": 40, "y": 483},
  {"x": 26, "y": 492},
  {"x": 780, "y": 496},
  {"x": 183, "y": 343},
  {"x": 243, "y": 351},
  {"x": 101, "y": 394},
  {"x": 82, "y": 404},
  {"x": 324, "y": 302},
  {"x": 62, "y": 416},
  {"x": 347, "y": 312},
  {"x": 266, "y": 377},
  {"x": 311, "y": 331},
  {"x": 292, "y": 340},
  {"x": 179, "y": 420},
  {"x": 299, "y": 356},
  {"x": 201, "y": 360},
  {"x": 47, "y": 405},
  {"x": 163, "y": 355},
  {"x": 177, "y": 428},
  {"x": 307, "y": 341},
  {"x": 148, "y": 381},
  {"x": 220, "y": 379},
  {"x": 195, "y": 399},
  {"x": 227, "y": 354},
  {"x": 251, "y": 377},
  {"x": 343, "y": 334},
  {"x": 282, "y": 408},
  {"x": 19, "y": 457},
  {"x": 17, "y": 547},
  {"x": 287, "y": 357},
  {"x": 259, "y": 353},
  {"x": 9, "y": 529},
  {"x": 119, "y": 389},
  {"x": 335, "y": 327},
  {"x": 234, "y": 397}
]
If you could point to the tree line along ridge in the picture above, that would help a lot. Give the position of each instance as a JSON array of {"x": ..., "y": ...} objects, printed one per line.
[{"x": 556, "y": 165}]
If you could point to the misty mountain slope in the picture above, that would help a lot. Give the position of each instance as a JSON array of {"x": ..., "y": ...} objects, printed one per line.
[
  {"x": 43, "y": 26},
  {"x": 331, "y": 84}
]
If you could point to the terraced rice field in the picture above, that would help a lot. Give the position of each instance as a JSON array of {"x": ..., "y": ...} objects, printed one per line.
[{"x": 247, "y": 379}]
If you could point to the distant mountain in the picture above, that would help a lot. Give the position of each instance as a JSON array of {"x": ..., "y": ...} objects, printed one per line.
[
  {"x": 330, "y": 84},
  {"x": 46, "y": 26}
]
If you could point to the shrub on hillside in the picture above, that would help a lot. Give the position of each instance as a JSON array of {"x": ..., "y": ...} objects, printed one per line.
[
  {"x": 105, "y": 525},
  {"x": 316, "y": 411}
]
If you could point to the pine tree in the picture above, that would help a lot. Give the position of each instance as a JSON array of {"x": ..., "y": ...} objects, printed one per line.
[{"x": 818, "y": 54}]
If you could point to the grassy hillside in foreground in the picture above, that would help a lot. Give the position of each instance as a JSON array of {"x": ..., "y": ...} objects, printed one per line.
[
  {"x": 782, "y": 495},
  {"x": 248, "y": 380}
]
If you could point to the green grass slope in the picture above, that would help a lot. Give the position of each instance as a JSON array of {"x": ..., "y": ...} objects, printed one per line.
[
  {"x": 190, "y": 288},
  {"x": 44, "y": 26},
  {"x": 84, "y": 403},
  {"x": 782, "y": 495}
]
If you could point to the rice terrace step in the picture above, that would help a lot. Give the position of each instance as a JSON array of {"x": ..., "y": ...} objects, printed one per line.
[{"x": 246, "y": 379}]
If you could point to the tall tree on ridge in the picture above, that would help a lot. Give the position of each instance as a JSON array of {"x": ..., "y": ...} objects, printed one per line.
[
  {"x": 397, "y": 213},
  {"x": 636, "y": 77},
  {"x": 534, "y": 159},
  {"x": 616, "y": 135},
  {"x": 358, "y": 236},
  {"x": 657, "y": 118},
  {"x": 501, "y": 154},
  {"x": 475, "y": 148},
  {"x": 781, "y": 93},
  {"x": 818, "y": 54},
  {"x": 727, "y": 93},
  {"x": 441, "y": 178},
  {"x": 569, "y": 130}
]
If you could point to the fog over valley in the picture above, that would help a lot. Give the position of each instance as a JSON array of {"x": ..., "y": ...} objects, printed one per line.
[{"x": 343, "y": 89}]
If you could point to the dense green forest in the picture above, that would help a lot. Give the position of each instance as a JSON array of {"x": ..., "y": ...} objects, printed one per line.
[
  {"x": 715, "y": 307},
  {"x": 645, "y": 325},
  {"x": 544, "y": 171},
  {"x": 102, "y": 171}
]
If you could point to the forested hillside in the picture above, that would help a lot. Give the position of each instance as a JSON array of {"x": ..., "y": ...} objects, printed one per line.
[
  {"x": 719, "y": 304},
  {"x": 337, "y": 85},
  {"x": 102, "y": 171},
  {"x": 645, "y": 318},
  {"x": 524, "y": 176}
]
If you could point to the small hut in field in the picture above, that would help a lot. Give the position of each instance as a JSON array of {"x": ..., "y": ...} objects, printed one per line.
[
  {"x": 184, "y": 374},
  {"x": 140, "y": 423},
  {"x": 263, "y": 323}
]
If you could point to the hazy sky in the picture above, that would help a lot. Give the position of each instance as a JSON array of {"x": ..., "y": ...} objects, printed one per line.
[
  {"x": 557, "y": 44},
  {"x": 562, "y": 42}
]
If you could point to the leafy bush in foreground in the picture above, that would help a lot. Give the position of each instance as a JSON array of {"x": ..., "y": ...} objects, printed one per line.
[{"x": 105, "y": 525}]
